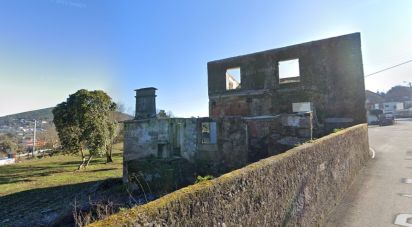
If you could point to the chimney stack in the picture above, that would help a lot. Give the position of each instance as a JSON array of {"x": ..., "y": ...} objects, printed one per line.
[{"x": 145, "y": 103}]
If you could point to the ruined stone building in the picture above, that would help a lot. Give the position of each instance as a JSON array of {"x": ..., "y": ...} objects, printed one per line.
[{"x": 260, "y": 104}]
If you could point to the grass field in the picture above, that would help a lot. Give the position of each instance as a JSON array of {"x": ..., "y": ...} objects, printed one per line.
[{"x": 45, "y": 189}]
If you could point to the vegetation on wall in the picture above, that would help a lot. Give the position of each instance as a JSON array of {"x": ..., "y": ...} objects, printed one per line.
[{"x": 205, "y": 178}]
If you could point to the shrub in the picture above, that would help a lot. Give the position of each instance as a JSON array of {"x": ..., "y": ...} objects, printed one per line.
[
  {"x": 205, "y": 178},
  {"x": 337, "y": 129}
]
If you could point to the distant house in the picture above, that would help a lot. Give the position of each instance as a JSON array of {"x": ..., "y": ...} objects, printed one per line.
[
  {"x": 373, "y": 100},
  {"x": 28, "y": 142},
  {"x": 392, "y": 107},
  {"x": 398, "y": 100}
]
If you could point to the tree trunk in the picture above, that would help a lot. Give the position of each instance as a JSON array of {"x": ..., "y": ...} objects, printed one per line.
[
  {"x": 109, "y": 154},
  {"x": 83, "y": 159},
  {"x": 109, "y": 159},
  {"x": 81, "y": 164},
  {"x": 88, "y": 161}
]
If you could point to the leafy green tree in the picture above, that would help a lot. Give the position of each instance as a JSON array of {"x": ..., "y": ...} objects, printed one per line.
[
  {"x": 8, "y": 143},
  {"x": 83, "y": 123}
]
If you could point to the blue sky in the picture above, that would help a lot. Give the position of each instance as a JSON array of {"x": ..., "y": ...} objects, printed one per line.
[{"x": 51, "y": 48}]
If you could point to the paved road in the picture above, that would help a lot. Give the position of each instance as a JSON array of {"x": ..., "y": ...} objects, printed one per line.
[{"x": 382, "y": 193}]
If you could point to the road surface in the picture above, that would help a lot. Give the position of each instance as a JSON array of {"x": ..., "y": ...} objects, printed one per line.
[{"x": 381, "y": 194}]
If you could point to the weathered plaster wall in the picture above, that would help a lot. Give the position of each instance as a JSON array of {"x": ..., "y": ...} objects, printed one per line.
[
  {"x": 181, "y": 137},
  {"x": 239, "y": 140},
  {"x": 331, "y": 77},
  {"x": 296, "y": 188},
  {"x": 142, "y": 137}
]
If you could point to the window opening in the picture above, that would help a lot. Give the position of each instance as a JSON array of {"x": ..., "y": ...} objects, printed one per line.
[
  {"x": 161, "y": 150},
  {"x": 289, "y": 71},
  {"x": 233, "y": 79},
  {"x": 209, "y": 132}
]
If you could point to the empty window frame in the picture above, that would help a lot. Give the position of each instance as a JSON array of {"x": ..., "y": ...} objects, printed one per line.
[
  {"x": 289, "y": 71},
  {"x": 233, "y": 78},
  {"x": 161, "y": 150},
  {"x": 209, "y": 133}
]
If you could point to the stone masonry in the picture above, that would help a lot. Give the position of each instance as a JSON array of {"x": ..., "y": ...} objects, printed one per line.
[{"x": 258, "y": 113}]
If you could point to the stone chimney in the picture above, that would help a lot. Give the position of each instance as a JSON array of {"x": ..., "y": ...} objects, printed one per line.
[{"x": 145, "y": 103}]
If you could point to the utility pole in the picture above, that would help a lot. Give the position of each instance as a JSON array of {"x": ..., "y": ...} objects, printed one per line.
[{"x": 34, "y": 138}]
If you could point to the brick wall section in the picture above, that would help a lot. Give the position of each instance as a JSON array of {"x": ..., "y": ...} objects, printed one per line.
[{"x": 296, "y": 188}]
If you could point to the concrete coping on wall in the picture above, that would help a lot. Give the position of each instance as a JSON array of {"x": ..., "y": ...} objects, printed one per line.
[
  {"x": 164, "y": 119},
  {"x": 239, "y": 92},
  {"x": 153, "y": 208},
  {"x": 263, "y": 117}
]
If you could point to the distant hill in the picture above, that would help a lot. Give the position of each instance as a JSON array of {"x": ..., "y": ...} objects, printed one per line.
[
  {"x": 399, "y": 94},
  {"x": 47, "y": 115},
  {"x": 118, "y": 116},
  {"x": 41, "y": 114}
]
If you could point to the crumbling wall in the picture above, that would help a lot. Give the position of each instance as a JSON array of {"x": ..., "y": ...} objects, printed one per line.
[
  {"x": 159, "y": 176},
  {"x": 228, "y": 153},
  {"x": 163, "y": 138},
  {"x": 331, "y": 77},
  {"x": 272, "y": 135},
  {"x": 233, "y": 146},
  {"x": 240, "y": 140},
  {"x": 140, "y": 138},
  {"x": 296, "y": 188},
  {"x": 243, "y": 140},
  {"x": 143, "y": 137},
  {"x": 239, "y": 103}
]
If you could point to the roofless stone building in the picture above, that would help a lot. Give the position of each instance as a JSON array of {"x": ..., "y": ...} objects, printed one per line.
[{"x": 260, "y": 104}]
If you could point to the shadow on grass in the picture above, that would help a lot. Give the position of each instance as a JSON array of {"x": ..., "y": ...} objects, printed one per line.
[
  {"x": 6, "y": 180},
  {"x": 101, "y": 170},
  {"x": 117, "y": 155},
  {"x": 47, "y": 206},
  {"x": 24, "y": 173},
  {"x": 13, "y": 174},
  {"x": 77, "y": 163}
]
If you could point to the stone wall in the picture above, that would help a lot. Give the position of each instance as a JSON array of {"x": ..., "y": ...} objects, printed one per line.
[
  {"x": 296, "y": 188},
  {"x": 331, "y": 77},
  {"x": 239, "y": 141}
]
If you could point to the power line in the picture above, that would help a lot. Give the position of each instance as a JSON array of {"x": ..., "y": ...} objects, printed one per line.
[{"x": 388, "y": 68}]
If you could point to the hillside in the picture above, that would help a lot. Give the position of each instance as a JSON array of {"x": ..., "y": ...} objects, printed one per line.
[
  {"x": 47, "y": 115},
  {"x": 41, "y": 114},
  {"x": 20, "y": 128}
]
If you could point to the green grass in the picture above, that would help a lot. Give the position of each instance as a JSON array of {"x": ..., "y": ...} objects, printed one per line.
[{"x": 40, "y": 188}]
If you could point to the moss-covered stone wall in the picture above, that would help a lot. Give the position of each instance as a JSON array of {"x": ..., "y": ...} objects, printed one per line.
[{"x": 296, "y": 188}]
